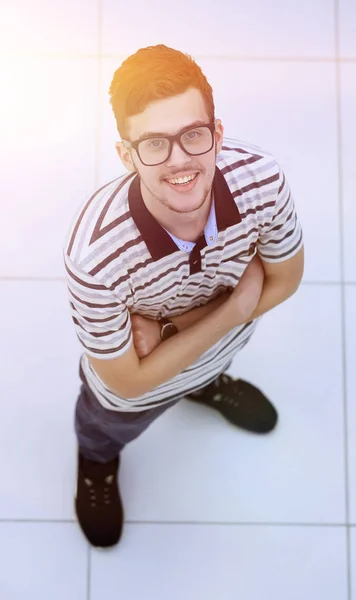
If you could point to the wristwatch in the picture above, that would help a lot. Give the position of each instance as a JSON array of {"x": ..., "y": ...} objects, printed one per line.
[{"x": 167, "y": 329}]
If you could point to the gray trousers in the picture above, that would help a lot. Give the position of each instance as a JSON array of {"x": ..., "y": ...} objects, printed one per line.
[{"x": 103, "y": 433}]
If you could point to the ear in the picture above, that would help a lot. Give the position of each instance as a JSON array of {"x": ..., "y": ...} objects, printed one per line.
[
  {"x": 125, "y": 156},
  {"x": 219, "y": 134}
]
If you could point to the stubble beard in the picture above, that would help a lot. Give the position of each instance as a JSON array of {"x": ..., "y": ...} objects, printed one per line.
[{"x": 167, "y": 204}]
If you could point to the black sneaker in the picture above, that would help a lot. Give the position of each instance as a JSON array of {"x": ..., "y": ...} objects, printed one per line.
[
  {"x": 239, "y": 402},
  {"x": 98, "y": 503}
]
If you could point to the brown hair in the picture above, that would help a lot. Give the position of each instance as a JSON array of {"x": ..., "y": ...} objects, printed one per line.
[{"x": 154, "y": 73}]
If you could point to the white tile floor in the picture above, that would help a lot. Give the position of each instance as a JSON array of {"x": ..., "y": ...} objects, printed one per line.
[{"x": 212, "y": 512}]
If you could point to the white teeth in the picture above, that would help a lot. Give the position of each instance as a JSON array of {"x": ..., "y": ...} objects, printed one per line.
[{"x": 182, "y": 179}]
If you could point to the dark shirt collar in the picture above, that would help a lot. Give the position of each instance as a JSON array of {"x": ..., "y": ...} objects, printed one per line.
[{"x": 158, "y": 242}]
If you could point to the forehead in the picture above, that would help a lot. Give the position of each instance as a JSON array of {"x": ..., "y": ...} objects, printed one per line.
[{"x": 169, "y": 114}]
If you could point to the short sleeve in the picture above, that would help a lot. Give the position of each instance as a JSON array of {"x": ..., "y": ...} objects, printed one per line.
[
  {"x": 281, "y": 235},
  {"x": 101, "y": 321}
]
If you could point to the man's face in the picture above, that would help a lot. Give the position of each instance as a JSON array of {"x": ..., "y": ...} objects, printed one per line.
[{"x": 169, "y": 116}]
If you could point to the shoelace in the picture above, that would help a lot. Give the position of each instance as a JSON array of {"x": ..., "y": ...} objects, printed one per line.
[
  {"x": 106, "y": 498},
  {"x": 223, "y": 386}
]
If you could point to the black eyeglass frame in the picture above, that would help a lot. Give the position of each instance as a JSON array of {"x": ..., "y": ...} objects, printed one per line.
[{"x": 171, "y": 139}]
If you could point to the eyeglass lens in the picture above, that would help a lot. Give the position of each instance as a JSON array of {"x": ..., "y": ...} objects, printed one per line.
[{"x": 156, "y": 150}]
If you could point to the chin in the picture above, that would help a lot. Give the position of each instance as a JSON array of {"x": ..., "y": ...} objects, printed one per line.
[{"x": 187, "y": 206}]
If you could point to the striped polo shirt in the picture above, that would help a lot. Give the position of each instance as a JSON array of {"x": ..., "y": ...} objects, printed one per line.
[{"x": 119, "y": 260}]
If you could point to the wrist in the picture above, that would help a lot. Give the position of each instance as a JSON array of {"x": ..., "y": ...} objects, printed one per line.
[{"x": 168, "y": 328}]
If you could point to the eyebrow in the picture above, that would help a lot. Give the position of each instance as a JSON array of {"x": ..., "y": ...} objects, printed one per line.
[{"x": 149, "y": 134}]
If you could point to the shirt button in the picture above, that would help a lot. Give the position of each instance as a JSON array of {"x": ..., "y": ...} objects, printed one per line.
[{"x": 211, "y": 238}]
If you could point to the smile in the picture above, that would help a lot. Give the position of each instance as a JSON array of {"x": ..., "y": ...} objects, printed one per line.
[{"x": 182, "y": 180}]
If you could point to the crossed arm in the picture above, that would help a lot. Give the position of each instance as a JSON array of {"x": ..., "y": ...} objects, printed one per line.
[{"x": 281, "y": 281}]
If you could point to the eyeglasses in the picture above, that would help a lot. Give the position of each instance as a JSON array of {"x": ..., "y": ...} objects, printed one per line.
[{"x": 153, "y": 151}]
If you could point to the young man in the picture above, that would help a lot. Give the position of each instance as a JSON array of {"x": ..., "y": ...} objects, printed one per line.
[{"x": 168, "y": 268}]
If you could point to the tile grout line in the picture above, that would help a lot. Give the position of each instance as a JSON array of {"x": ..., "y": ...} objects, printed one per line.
[
  {"x": 182, "y": 522},
  {"x": 89, "y": 573},
  {"x": 228, "y": 57},
  {"x": 243, "y": 58},
  {"x": 97, "y": 125},
  {"x": 342, "y": 290},
  {"x": 98, "y": 96},
  {"x": 237, "y": 523},
  {"x": 96, "y": 184}
]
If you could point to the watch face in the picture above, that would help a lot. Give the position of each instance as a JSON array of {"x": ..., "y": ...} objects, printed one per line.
[{"x": 168, "y": 330}]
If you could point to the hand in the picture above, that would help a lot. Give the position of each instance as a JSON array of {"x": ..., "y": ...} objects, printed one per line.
[
  {"x": 246, "y": 295},
  {"x": 146, "y": 334}
]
